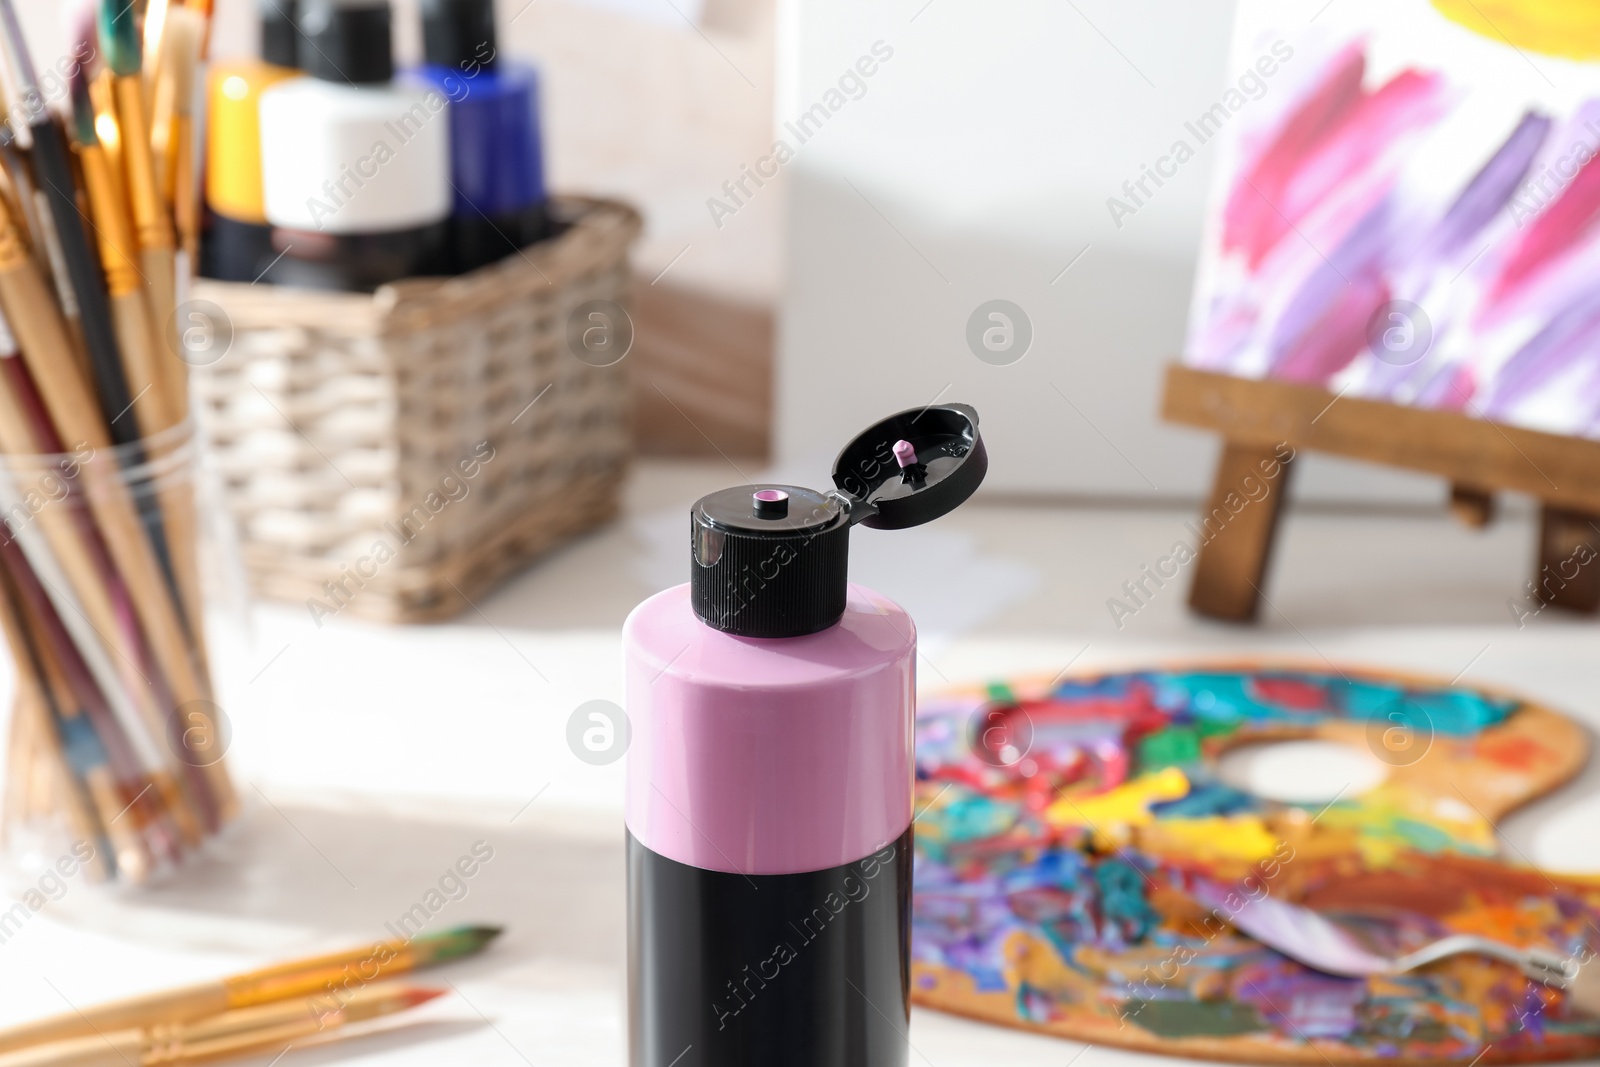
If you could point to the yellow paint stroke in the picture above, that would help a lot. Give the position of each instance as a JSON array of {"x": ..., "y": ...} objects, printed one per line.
[
  {"x": 1215, "y": 837},
  {"x": 1569, "y": 29},
  {"x": 1395, "y": 817},
  {"x": 1110, "y": 815}
]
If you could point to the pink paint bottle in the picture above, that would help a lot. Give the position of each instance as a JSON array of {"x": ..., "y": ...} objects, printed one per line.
[{"x": 770, "y": 769}]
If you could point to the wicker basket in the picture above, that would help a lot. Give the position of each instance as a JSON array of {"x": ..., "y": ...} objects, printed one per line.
[{"x": 394, "y": 456}]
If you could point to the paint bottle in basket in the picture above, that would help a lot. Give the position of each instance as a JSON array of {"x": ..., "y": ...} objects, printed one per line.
[
  {"x": 496, "y": 155},
  {"x": 238, "y": 240},
  {"x": 770, "y": 768},
  {"x": 356, "y": 164}
]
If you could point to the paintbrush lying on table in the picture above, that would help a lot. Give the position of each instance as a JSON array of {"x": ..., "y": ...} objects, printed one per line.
[
  {"x": 309, "y": 985},
  {"x": 265, "y": 1029}
]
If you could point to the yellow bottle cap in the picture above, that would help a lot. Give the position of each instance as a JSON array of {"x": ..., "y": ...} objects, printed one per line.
[{"x": 233, "y": 137}]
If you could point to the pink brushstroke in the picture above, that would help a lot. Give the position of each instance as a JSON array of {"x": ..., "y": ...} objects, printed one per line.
[
  {"x": 1553, "y": 234},
  {"x": 1329, "y": 142},
  {"x": 1451, "y": 388},
  {"x": 1338, "y": 337},
  {"x": 1250, "y": 224}
]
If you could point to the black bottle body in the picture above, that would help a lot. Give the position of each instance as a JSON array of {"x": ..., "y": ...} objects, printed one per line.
[{"x": 775, "y": 970}]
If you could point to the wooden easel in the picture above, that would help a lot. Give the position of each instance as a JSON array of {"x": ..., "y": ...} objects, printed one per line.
[{"x": 1479, "y": 458}]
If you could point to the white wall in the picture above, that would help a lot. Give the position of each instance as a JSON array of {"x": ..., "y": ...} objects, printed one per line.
[{"x": 977, "y": 166}]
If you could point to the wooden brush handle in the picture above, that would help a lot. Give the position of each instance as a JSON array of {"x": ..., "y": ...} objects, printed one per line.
[
  {"x": 155, "y": 373},
  {"x": 116, "y": 1049},
  {"x": 91, "y": 784},
  {"x": 163, "y": 1008},
  {"x": 161, "y": 290},
  {"x": 142, "y": 361},
  {"x": 185, "y": 191},
  {"x": 150, "y": 220},
  {"x": 174, "y": 489},
  {"x": 34, "y": 715},
  {"x": 153, "y": 226},
  {"x": 20, "y": 746},
  {"x": 137, "y": 332},
  {"x": 119, "y": 249}
]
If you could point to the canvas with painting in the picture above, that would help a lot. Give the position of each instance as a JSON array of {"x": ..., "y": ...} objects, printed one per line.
[
  {"x": 1407, "y": 215},
  {"x": 1399, "y": 267}
]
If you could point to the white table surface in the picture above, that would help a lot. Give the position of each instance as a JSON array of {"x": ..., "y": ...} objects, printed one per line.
[{"x": 372, "y": 757}]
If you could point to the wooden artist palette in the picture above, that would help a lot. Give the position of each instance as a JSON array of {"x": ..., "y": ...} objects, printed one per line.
[{"x": 1064, "y": 829}]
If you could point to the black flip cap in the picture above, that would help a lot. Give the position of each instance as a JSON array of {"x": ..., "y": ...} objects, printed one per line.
[
  {"x": 280, "y": 38},
  {"x": 773, "y": 560},
  {"x": 459, "y": 33},
  {"x": 348, "y": 41},
  {"x": 949, "y": 466}
]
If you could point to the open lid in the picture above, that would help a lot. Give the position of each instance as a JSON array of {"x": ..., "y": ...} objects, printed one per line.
[
  {"x": 912, "y": 467},
  {"x": 772, "y": 560}
]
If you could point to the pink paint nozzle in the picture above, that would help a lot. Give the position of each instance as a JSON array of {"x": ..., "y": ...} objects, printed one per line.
[{"x": 904, "y": 454}]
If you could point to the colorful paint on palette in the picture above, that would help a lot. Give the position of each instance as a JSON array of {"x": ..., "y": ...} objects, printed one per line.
[{"x": 1074, "y": 840}]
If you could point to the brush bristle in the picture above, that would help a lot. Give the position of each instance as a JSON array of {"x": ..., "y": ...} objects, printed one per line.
[
  {"x": 83, "y": 114},
  {"x": 119, "y": 37},
  {"x": 414, "y": 997},
  {"x": 451, "y": 944},
  {"x": 185, "y": 32},
  {"x": 83, "y": 38}
]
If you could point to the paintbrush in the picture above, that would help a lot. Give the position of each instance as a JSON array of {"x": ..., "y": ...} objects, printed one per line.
[
  {"x": 159, "y": 93},
  {"x": 117, "y": 733},
  {"x": 30, "y": 206},
  {"x": 152, "y": 48},
  {"x": 273, "y": 1028},
  {"x": 33, "y": 706},
  {"x": 71, "y": 641},
  {"x": 88, "y": 760},
  {"x": 184, "y": 29},
  {"x": 64, "y": 549},
  {"x": 83, "y": 692},
  {"x": 119, "y": 40},
  {"x": 332, "y": 976},
  {"x": 22, "y": 198},
  {"x": 53, "y": 169},
  {"x": 25, "y": 762},
  {"x": 119, "y": 253},
  {"x": 185, "y": 38},
  {"x": 103, "y": 94},
  {"x": 204, "y": 8},
  {"x": 41, "y": 333}
]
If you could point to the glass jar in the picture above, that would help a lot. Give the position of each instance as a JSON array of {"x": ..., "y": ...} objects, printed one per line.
[{"x": 115, "y": 767}]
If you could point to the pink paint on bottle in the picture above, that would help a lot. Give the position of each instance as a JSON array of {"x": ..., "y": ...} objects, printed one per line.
[{"x": 770, "y": 770}]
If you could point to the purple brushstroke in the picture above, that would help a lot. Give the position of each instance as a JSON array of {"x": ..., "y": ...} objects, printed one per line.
[
  {"x": 1346, "y": 286},
  {"x": 1486, "y": 195},
  {"x": 1451, "y": 388},
  {"x": 1306, "y": 1004},
  {"x": 1490, "y": 189},
  {"x": 1574, "y": 334}
]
